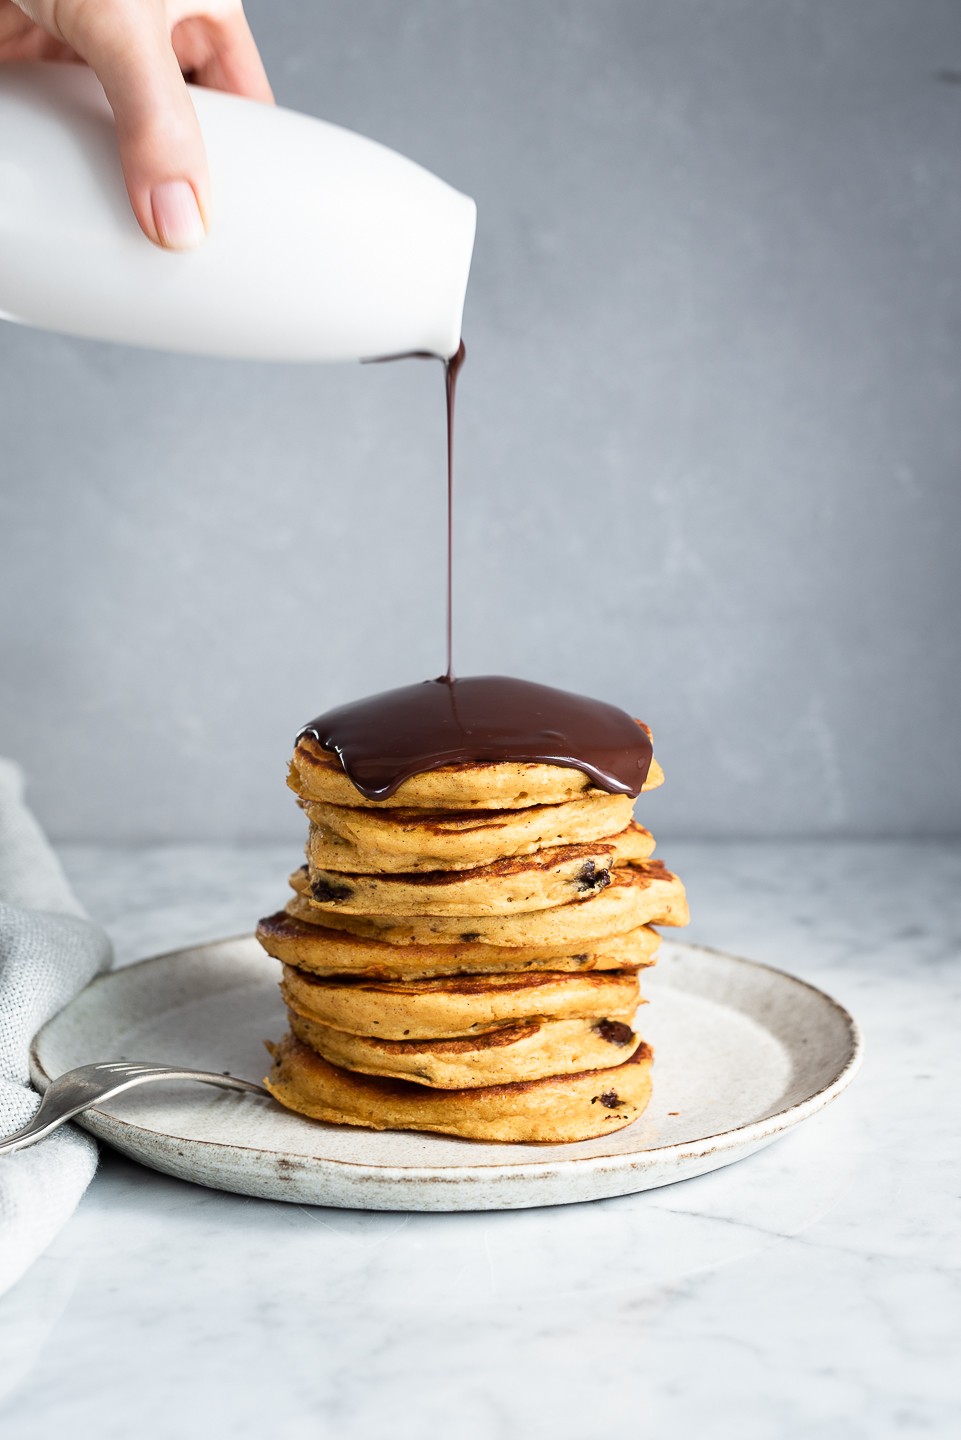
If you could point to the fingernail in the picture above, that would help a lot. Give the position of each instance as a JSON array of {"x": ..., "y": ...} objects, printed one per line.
[{"x": 176, "y": 215}]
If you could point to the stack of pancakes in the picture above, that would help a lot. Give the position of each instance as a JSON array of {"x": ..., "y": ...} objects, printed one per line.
[{"x": 464, "y": 956}]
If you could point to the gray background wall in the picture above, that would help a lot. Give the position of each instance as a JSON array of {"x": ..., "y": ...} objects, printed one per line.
[{"x": 708, "y": 450}]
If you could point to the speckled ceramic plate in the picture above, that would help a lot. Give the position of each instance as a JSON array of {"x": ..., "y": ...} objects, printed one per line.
[{"x": 743, "y": 1053}]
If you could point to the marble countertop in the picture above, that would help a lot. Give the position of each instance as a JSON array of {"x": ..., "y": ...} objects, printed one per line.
[{"x": 813, "y": 1289}]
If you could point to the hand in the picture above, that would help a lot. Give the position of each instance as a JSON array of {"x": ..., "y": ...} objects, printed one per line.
[{"x": 141, "y": 50}]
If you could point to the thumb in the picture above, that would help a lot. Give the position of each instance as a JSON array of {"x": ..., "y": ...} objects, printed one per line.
[{"x": 161, "y": 147}]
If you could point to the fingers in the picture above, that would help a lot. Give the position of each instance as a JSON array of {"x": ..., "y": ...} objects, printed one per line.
[
  {"x": 130, "y": 46},
  {"x": 161, "y": 147},
  {"x": 221, "y": 53}
]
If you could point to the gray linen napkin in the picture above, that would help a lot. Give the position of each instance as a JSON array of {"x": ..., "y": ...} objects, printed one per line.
[{"x": 48, "y": 951}]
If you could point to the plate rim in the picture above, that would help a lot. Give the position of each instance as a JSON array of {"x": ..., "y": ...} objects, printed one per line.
[{"x": 745, "y": 1135}]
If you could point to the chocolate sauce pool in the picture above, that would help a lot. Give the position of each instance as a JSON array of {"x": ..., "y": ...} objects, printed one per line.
[{"x": 385, "y": 739}]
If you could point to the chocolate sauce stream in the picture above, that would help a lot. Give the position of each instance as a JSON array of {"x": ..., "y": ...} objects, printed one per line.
[
  {"x": 385, "y": 739},
  {"x": 452, "y": 369}
]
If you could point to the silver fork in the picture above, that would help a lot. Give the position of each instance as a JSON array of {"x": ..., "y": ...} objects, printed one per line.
[{"x": 78, "y": 1089}]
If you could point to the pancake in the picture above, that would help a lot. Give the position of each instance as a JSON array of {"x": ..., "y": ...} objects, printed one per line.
[
  {"x": 554, "y": 1110},
  {"x": 317, "y": 774},
  {"x": 643, "y": 894},
  {"x": 465, "y": 1005},
  {"x": 368, "y": 840},
  {"x": 528, "y": 1050},
  {"x": 295, "y": 937},
  {"x": 523, "y": 882}
]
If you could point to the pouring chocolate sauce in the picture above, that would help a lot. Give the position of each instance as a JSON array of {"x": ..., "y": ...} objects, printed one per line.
[
  {"x": 385, "y": 739},
  {"x": 452, "y": 369}
]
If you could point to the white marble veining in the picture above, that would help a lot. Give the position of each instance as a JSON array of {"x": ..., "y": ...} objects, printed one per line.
[{"x": 811, "y": 1290}]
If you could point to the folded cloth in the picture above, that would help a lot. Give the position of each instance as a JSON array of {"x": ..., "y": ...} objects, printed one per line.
[{"x": 48, "y": 951}]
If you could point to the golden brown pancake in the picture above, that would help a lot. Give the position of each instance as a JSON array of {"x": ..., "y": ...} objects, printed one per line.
[
  {"x": 522, "y": 882},
  {"x": 645, "y": 894},
  {"x": 457, "y": 1005},
  {"x": 559, "y": 1108},
  {"x": 296, "y": 937},
  {"x": 527, "y": 1050},
  {"x": 367, "y": 840},
  {"x": 317, "y": 774}
]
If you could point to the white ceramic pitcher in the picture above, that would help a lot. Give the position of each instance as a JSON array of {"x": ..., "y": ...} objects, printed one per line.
[{"x": 323, "y": 245}]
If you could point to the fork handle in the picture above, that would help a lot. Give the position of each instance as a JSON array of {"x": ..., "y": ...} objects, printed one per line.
[{"x": 72, "y": 1093}]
